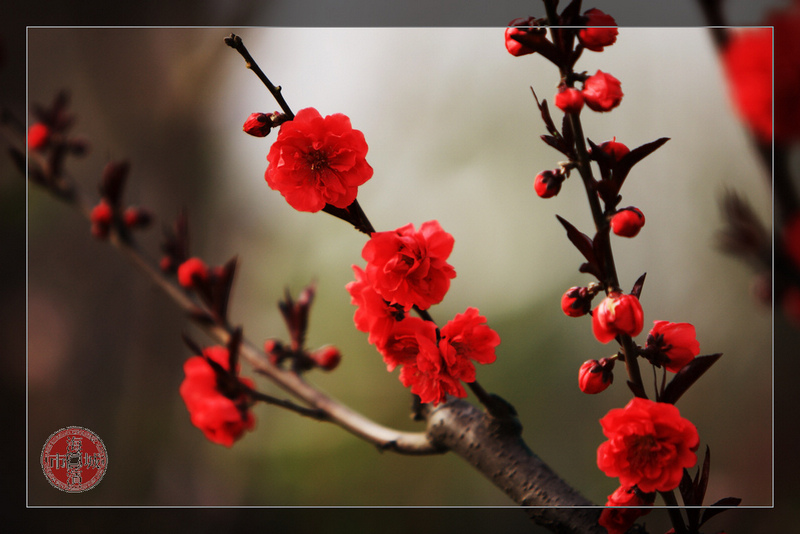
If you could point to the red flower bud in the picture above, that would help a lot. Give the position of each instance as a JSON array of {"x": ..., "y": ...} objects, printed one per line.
[
  {"x": 327, "y": 358},
  {"x": 569, "y": 100},
  {"x": 257, "y": 125},
  {"x": 617, "y": 314},
  {"x": 602, "y": 92},
  {"x": 548, "y": 183},
  {"x": 166, "y": 264},
  {"x": 595, "y": 376},
  {"x": 101, "y": 213},
  {"x": 101, "y": 217},
  {"x": 618, "y": 518},
  {"x": 596, "y": 38},
  {"x": 191, "y": 270},
  {"x": 38, "y": 136},
  {"x": 627, "y": 222},
  {"x": 529, "y": 38},
  {"x": 672, "y": 344},
  {"x": 576, "y": 302},
  {"x": 136, "y": 217},
  {"x": 614, "y": 149}
]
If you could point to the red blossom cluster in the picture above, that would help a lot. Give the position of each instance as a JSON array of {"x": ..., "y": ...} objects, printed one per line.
[
  {"x": 649, "y": 444},
  {"x": 218, "y": 401},
  {"x": 407, "y": 269}
]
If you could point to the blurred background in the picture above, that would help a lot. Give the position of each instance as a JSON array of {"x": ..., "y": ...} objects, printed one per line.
[{"x": 453, "y": 134}]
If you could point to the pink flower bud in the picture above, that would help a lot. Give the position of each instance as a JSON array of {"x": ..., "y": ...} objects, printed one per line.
[
  {"x": 627, "y": 222},
  {"x": 327, "y": 358},
  {"x": 602, "y": 92},
  {"x": 192, "y": 270},
  {"x": 569, "y": 100},
  {"x": 548, "y": 183},
  {"x": 596, "y": 38},
  {"x": 257, "y": 125},
  {"x": 614, "y": 149},
  {"x": 595, "y": 376},
  {"x": 617, "y": 314},
  {"x": 576, "y": 302},
  {"x": 38, "y": 136}
]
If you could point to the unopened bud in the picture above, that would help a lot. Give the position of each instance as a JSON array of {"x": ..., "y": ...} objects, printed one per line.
[
  {"x": 258, "y": 124},
  {"x": 327, "y": 357}
]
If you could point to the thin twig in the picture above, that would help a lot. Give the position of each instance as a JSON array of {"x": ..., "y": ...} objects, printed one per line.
[{"x": 235, "y": 42}]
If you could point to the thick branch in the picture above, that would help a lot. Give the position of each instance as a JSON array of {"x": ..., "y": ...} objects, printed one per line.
[{"x": 502, "y": 456}]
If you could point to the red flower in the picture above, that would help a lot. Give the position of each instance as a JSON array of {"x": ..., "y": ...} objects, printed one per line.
[
  {"x": 317, "y": 161},
  {"x": 569, "y": 100},
  {"x": 223, "y": 416},
  {"x": 38, "y": 136},
  {"x": 618, "y": 520},
  {"x": 597, "y": 38},
  {"x": 747, "y": 60},
  {"x": 595, "y": 376},
  {"x": 257, "y": 125},
  {"x": 674, "y": 344},
  {"x": 617, "y": 314},
  {"x": 192, "y": 270},
  {"x": 402, "y": 345},
  {"x": 374, "y": 314},
  {"x": 547, "y": 184},
  {"x": 602, "y": 92},
  {"x": 434, "y": 369},
  {"x": 627, "y": 222},
  {"x": 408, "y": 267},
  {"x": 649, "y": 444}
]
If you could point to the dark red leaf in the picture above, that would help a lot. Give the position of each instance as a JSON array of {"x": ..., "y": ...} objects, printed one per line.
[
  {"x": 719, "y": 507},
  {"x": 636, "y": 291},
  {"x": 548, "y": 120},
  {"x": 688, "y": 376},
  {"x": 623, "y": 166},
  {"x": 581, "y": 241},
  {"x": 558, "y": 144}
]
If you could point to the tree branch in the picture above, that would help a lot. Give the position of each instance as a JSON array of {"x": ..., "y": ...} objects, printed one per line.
[{"x": 500, "y": 454}]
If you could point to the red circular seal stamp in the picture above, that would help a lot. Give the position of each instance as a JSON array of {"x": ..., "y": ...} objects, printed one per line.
[{"x": 74, "y": 459}]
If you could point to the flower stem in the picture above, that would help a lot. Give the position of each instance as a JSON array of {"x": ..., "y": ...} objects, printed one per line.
[
  {"x": 235, "y": 42},
  {"x": 674, "y": 513}
]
